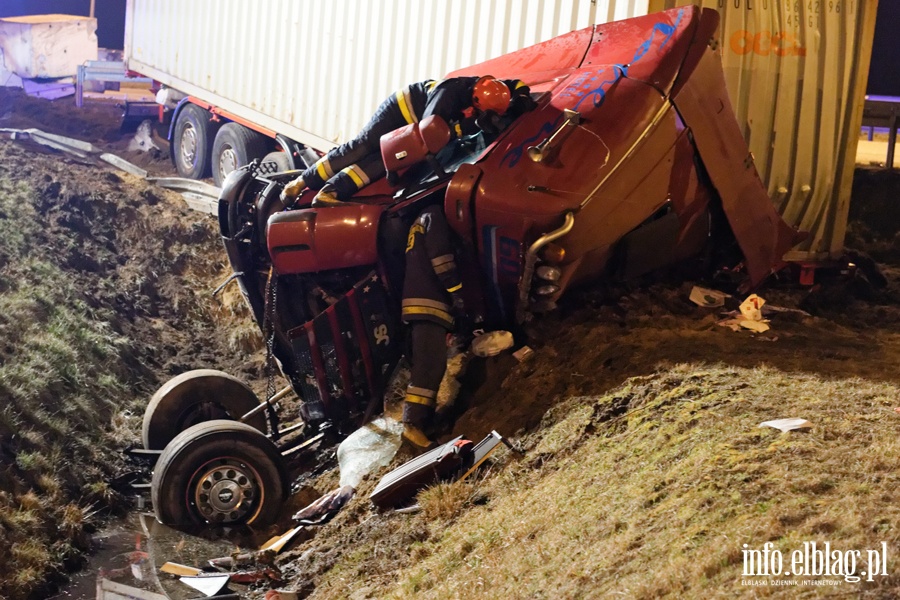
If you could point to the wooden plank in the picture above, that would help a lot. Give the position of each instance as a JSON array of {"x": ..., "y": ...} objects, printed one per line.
[
  {"x": 110, "y": 590},
  {"x": 177, "y": 569}
]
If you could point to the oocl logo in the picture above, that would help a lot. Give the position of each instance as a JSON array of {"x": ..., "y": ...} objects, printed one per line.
[{"x": 765, "y": 43}]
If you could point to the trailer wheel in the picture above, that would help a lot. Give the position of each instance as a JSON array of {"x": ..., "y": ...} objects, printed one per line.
[
  {"x": 235, "y": 146},
  {"x": 194, "y": 397},
  {"x": 192, "y": 141},
  {"x": 221, "y": 473}
]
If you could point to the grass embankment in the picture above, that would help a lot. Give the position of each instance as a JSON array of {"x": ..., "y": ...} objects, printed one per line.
[
  {"x": 98, "y": 291},
  {"x": 651, "y": 491},
  {"x": 61, "y": 377}
]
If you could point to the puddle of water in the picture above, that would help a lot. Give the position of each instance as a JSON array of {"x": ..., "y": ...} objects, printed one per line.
[{"x": 130, "y": 552}]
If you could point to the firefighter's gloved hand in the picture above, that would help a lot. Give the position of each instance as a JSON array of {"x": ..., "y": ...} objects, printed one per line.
[
  {"x": 458, "y": 305},
  {"x": 488, "y": 122},
  {"x": 522, "y": 103},
  {"x": 462, "y": 322},
  {"x": 292, "y": 190}
]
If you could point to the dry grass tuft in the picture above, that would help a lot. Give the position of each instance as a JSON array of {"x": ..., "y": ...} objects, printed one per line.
[{"x": 445, "y": 501}]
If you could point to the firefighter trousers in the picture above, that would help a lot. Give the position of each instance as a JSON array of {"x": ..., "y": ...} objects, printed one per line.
[{"x": 429, "y": 362}]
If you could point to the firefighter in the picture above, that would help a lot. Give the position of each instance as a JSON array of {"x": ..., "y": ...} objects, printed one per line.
[
  {"x": 432, "y": 307},
  {"x": 465, "y": 103}
]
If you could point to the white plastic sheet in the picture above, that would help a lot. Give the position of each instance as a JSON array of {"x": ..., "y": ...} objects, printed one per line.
[{"x": 369, "y": 447}]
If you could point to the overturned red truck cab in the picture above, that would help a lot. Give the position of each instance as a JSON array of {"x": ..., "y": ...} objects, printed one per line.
[{"x": 632, "y": 161}]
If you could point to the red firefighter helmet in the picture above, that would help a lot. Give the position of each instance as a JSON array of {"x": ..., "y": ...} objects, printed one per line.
[{"x": 490, "y": 94}]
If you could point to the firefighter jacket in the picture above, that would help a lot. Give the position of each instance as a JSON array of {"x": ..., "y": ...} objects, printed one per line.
[
  {"x": 354, "y": 164},
  {"x": 431, "y": 274}
]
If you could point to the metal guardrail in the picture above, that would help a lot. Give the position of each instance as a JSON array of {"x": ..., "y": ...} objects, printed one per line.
[
  {"x": 883, "y": 111},
  {"x": 197, "y": 194},
  {"x": 102, "y": 70}
]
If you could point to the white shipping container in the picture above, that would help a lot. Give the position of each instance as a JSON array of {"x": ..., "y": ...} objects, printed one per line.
[
  {"x": 316, "y": 70},
  {"x": 796, "y": 72}
]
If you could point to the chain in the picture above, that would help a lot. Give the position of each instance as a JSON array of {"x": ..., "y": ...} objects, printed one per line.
[{"x": 269, "y": 332}]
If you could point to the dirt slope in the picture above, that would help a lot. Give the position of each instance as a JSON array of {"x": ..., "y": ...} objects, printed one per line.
[{"x": 105, "y": 288}]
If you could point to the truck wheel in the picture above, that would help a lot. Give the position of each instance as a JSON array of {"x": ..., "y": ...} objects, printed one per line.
[
  {"x": 194, "y": 397},
  {"x": 221, "y": 473},
  {"x": 192, "y": 141},
  {"x": 235, "y": 146}
]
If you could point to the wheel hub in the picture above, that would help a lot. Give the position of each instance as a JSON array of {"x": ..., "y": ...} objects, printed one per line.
[
  {"x": 228, "y": 161},
  {"x": 226, "y": 492},
  {"x": 188, "y": 145}
]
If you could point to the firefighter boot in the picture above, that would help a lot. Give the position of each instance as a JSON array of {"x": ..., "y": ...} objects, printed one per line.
[{"x": 416, "y": 438}]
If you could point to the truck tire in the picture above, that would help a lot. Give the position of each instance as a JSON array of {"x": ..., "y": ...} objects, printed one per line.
[
  {"x": 220, "y": 473},
  {"x": 193, "y": 397},
  {"x": 192, "y": 142},
  {"x": 235, "y": 146}
]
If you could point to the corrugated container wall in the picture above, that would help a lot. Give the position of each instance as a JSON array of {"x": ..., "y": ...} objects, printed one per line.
[
  {"x": 316, "y": 70},
  {"x": 796, "y": 73}
]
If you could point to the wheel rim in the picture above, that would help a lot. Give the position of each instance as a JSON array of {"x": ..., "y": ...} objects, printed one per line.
[
  {"x": 227, "y": 161},
  {"x": 188, "y": 145},
  {"x": 226, "y": 490},
  {"x": 205, "y": 411}
]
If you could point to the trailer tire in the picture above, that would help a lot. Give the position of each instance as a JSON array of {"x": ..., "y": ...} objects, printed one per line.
[
  {"x": 220, "y": 473},
  {"x": 194, "y": 397},
  {"x": 235, "y": 146},
  {"x": 192, "y": 142}
]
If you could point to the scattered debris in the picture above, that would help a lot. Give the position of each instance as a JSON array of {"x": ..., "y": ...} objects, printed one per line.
[
  {"x": 769, "y": 310},
  {"x": 523, "y": 353},
  {"x": 409, "y": 510},
  {"x": 751, "y": 316},
  {"x": 453, "y": 461},
  {"x": 262, "y": 574},
  {"x": 484, "y": 448},
  {"x": 123, "y": 164},
  {"x": 110, "y": 590},
  {"x": 49, "y": 90},
  {"x": 757, "y": 326},
  {"x": 198, "y": 195},
  {"x": 708, "y": 298},
  {"x": 786, "y": 425},
  {"x": 492, "y": 343},
  {"x": 322, "y": 510},
  {"x": 370, "y": 447},
  {"x": 281, "y": 595},
  {"x": 68, "y": 145},
  {"x": 177, "y": 569},
  {"x": 209, "y": 584},
  {"x": 751, "y": 307},
  {"x": 143, "y": 138},
  {"x": 277, "y": 543},
  {"x": 443, "y": 463}
]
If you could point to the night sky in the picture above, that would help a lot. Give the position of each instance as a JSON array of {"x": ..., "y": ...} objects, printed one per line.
[{"x": 884, "y": 74}]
